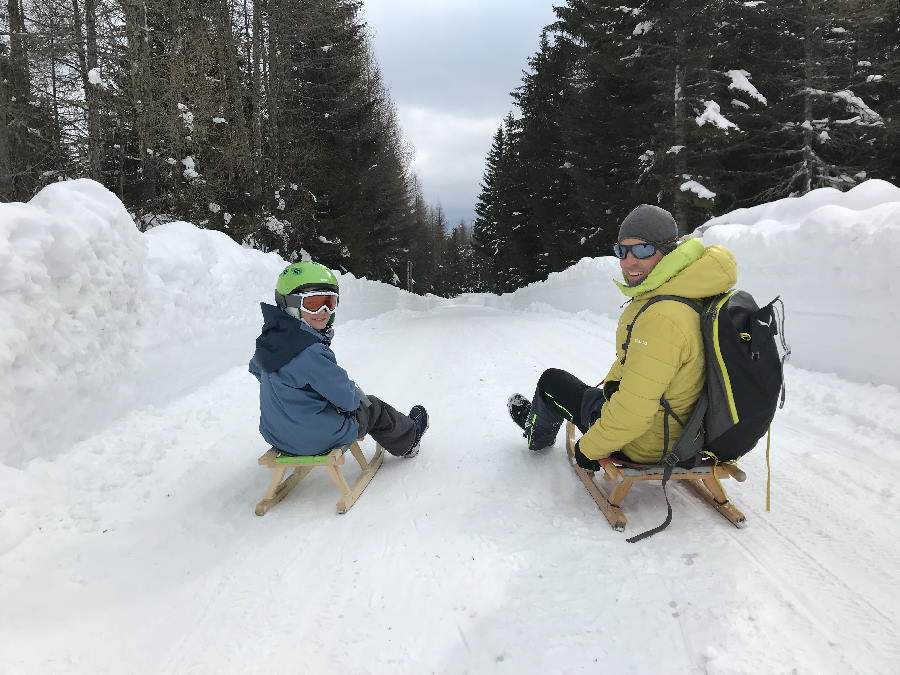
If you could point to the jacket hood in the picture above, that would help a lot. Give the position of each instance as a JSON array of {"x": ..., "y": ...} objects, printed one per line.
[
  {"x": 283, "y": 337},
  {"x": 692, "y": 270}
]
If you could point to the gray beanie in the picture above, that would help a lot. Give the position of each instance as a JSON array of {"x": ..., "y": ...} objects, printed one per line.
[{"x": 653, "y": 225}]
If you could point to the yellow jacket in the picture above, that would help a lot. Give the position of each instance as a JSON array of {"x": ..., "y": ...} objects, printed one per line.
[{"x": 665, "y": 356}]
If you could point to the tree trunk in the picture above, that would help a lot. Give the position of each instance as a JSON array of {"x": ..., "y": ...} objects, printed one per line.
[
  {"x": 87, "y": 60},
  {"x": 6, "y": 183},
  {"x": 19, "y": 81},
  {"x": 140, "y": 91},
  {"x": 255, "y": 92},
  {"x": 93, "y": 94},
  {"x": 231, "y": 78},
  {"x": 680, "y": 119},
  {"x": 808, "y": 82},
  {"x": 273, "y": 93}
]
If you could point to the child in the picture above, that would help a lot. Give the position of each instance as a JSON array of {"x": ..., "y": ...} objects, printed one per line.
[{"x": 308, "y": 404}]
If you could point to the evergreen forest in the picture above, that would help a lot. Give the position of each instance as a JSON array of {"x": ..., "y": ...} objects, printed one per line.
[
  {"x": 269, "y": 120},
  {"x": 700, "y": 107},
  {"x": 265, "y": 119}
]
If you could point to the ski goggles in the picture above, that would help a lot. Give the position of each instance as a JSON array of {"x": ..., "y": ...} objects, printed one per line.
[
  {"x": 315, "y": 302},
  {"x": 639, "y": 251}
]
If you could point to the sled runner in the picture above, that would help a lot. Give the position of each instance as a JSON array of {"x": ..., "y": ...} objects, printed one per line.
[
  {"x": 702, "y": 480},
  {"x": 279, "y": 486}
]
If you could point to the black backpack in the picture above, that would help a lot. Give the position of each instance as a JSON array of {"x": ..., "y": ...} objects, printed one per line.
[{"x": 744, "y": 382}]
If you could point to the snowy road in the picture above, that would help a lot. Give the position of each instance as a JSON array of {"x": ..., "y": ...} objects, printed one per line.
[{"x": 475, "y": 557}]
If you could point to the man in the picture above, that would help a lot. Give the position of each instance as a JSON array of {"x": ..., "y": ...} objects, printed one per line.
[{"x": 665, "y": 355}]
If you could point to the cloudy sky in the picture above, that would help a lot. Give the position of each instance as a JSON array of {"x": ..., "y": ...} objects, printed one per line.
[{"x": 450, "y": 65}]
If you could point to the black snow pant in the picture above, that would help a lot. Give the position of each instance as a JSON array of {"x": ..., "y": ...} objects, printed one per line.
[
  {"x": 560, "y": 396},
  {"x": 395, "y": 431}
]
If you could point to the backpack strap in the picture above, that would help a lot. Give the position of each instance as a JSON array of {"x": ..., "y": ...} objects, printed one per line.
[
  {"x": 697, "y": 417},
  {"x": 630, "y": 327}
]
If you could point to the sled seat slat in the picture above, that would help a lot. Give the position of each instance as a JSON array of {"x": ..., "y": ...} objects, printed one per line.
[
  {"x": 657, "y": 471},
  {"x": 301, "y": 466},
  {"x": 273, "y": 457}
]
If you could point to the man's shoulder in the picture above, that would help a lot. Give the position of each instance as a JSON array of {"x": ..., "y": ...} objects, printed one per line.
[{"x": 665, "y": 315}]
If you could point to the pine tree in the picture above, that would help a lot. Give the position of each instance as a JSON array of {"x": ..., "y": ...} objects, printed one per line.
[
  {"x": 552, "y": 233},
  {"x": 487, "y": 241},
  {"x": 816, "y": 130}
]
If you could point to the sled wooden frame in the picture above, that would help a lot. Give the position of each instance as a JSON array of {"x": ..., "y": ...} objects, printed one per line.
[
  {"x": 703, "y": 482},
  {"x": 279, "y": 486}
]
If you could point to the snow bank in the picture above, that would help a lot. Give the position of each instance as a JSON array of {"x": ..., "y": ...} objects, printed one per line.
[
  {"x": 832, "y": 258},
  {"x": 96, "y": 317},
  {"x": 587, "y": 285},
  {"x": 199, "y": 283},
  {"x": 70, "y": 263},
  {"x": 202, "y": 284},
  {"x": 830, "y": 255},
  {"x": 364, "y": 299}
]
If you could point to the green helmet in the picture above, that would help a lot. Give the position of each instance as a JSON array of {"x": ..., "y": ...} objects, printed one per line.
[{"x": 302, "y": 277}]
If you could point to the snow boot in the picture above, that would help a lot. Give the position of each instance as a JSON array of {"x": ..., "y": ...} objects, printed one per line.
[
  {"x": 539, "y": 424},
  {"x": 419, "y": 416},
  {"x": 519, "y": 409}
]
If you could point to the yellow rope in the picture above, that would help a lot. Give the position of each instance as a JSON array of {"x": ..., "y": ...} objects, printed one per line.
[{"x": 769, "y": 471}]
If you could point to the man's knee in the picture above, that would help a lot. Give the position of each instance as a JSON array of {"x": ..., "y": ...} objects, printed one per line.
[
  {"x": 591, "y": 401},
  {"x": 549, "y": 377}
]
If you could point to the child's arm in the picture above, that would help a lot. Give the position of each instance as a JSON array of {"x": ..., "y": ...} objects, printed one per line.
[
  {"x": 318, "y": 367},
  {"x": 254, "y": 368}
]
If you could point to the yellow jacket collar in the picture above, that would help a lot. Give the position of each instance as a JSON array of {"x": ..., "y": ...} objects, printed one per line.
[{"x": 692, "y": 270}]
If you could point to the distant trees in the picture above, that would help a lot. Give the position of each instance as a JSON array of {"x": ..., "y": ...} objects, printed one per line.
[
  {"x": 269, "y": 120},
  {"x": 265, "y": 119},
  {"x": 699, "y": 106}
]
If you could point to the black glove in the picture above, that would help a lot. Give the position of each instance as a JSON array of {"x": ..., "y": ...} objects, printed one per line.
[{"x": 585, "y": 462}]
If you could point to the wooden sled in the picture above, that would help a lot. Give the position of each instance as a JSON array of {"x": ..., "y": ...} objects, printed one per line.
[
  {"x": 703, "y": 481},
  {"x": 280, "y": 486}
]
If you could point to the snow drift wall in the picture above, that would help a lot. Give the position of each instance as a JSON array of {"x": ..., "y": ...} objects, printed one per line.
[
  {"x": 200, "y": 284},
  {"x": 832, "y": 257},
  {"x": 96, "y": 317},
  {"x": 70, "y": 261},
  {"x": 587, "y": 285}
]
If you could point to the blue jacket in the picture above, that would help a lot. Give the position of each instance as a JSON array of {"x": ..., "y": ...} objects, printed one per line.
[{"x": 306, "y": 400}]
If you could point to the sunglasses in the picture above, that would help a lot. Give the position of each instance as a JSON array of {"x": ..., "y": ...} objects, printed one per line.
[
  {"x": 314, "y": 303},
  {"x": 639, "y": 251}
]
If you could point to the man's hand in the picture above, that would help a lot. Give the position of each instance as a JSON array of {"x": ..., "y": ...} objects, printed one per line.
[{"x": 585, "y": 462}]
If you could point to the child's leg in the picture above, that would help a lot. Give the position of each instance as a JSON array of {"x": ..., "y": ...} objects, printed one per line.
[{"x": 395, "y": 431}]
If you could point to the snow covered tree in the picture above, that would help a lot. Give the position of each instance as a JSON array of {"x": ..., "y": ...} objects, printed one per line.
[
  {"x": 552, "y": 233},
  {"x": 501, "y": 211},
  {"x": 699, "y": 106},
  {"x": 817, "y": 129},
  {"x": 487, "y": 240}
]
